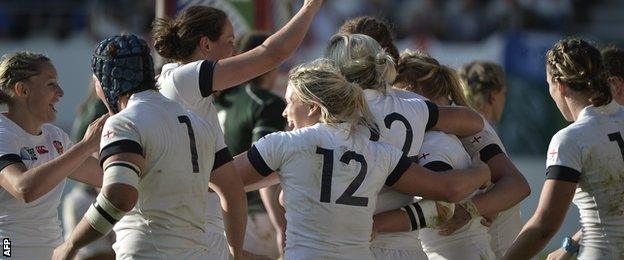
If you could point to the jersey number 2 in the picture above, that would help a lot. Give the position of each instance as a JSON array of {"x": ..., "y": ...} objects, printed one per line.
[
  {"x": 617, "y": 137},
  {"x": 191, "y": 134},
  {"x": 347, "y": 197}
]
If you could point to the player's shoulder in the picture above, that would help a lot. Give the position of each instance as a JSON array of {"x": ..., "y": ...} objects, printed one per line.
[
  {"x": 404, "y": 94},
  {"x": 441, "y": 140},
  {"x": 571, "y": 134},
  {"x": 52, "y": 129}
]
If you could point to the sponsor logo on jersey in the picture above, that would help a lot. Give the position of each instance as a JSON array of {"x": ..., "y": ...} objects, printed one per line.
[
  {"x": 6, "y": 247},
  {"x": 28, "y": 153},
  {"x": 58, "y": 146},
  {"x": 41, "y": 149}
]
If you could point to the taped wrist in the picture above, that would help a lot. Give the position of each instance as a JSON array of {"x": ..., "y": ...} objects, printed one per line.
[
  {"x": 121, "y": 172},
  {"x": 102, "y": 215},
  {"x": 422, "y": 214}
]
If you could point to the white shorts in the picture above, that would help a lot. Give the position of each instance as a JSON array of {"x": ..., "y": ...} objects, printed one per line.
[
  {"x": 464, "y": 251},
  {"x": 307, "y": 253},
  {"x": 504, "y": 230},
  {"x": 260, "y": 236},
  {"x": 139, "y": 245},
  {"x": 398, "y": 254}
]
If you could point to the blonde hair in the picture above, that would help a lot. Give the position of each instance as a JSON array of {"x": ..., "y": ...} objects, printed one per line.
[
  {"x": 16, "y": 67},
  {"x": 421, "y": 73},
  {"x": 362, "y": 61},
  {"x": 578, "y": 64},
  {"x": 480, "y": 79},
  {"x": 320, "y": 83}
]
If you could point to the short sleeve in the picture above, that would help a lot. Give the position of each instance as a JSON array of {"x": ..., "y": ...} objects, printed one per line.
[
  {"x": 433, "y": 114},
  {"x": 435, "y": 158},
  {"x": 270, "y": 152},
  {"x": 270, "y": 120},
  {"x": 119, "y": 135},
  {"x": 9, "y": 149},
  {"x": 564, "y": 158},
  {"x": 191, "y": 81},
  {"x": 485, "y": 144}
]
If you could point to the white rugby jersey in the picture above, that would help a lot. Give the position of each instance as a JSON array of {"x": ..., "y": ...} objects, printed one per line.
[
  {"x": 35, "y": 224},
  {"x": 404, "y": 94},
  {"x": 590, "y": 152},
  {"x": 402, "y": 123},
  {"x": 191, "y": 85},
  {"x": 441, "y": 152},
  {"x": 179, "y": 151},
  {"x": 486, "y": 144},
  {"x": 330, "y": 184}
]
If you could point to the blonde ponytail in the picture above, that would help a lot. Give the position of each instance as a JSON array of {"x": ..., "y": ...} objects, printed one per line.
[
  {"x": 362, "y": 61},
  {"x": 320, "y": 83}
]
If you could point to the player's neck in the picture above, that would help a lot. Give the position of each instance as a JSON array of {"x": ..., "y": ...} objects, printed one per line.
[
  {"x": 25, "y": 120},
  {"x": 576, "y": 105}
]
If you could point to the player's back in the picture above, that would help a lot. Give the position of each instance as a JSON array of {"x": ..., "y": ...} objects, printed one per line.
[
  {"x": 330, "y": 182},
  {"x": 594, "y": 147},
  {"x": 402, "y": 123},
  {"x": 179, "y": 150}
]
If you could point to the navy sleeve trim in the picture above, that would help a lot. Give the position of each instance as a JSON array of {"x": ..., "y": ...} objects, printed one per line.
[
  {"x": 121, "y": 146},
  {"x": 489, "y": 151},
  {"x": 438, "y": 166},
  {"x": 258, "y": 162},
  {"x": 9, "y": 159},
  {"x": 433, "y": 114},
  {"x": 399, "y": 170},
  {"x": 562, "y": 173},
  {"x": 206, "y": 72},
  {"x": 222, "y": 157}
]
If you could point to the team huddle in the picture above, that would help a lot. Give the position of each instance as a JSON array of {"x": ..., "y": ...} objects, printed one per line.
[{"x": 388, "y": 155}]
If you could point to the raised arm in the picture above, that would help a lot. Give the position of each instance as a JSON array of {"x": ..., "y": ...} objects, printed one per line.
[
  {"x": 28, "y": 185},
  {"x": 459, "y": 121},
  {"x": 266, "y": 57}
]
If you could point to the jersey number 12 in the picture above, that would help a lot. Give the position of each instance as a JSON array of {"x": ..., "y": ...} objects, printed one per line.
[{"x": 347, "y": 197}]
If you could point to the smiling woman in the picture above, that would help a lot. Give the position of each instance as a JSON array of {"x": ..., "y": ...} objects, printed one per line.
[{"x": 36, "y": 157}]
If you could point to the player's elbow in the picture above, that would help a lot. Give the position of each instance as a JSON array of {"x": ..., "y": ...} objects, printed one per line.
[
  {"x": 25, "y": 193},
  {"x": 123, "y": 203},
  {"x": 122, "y": 196}
]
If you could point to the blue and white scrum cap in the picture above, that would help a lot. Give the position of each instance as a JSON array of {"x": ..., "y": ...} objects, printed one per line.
[{"x": 122, "y": 64}]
